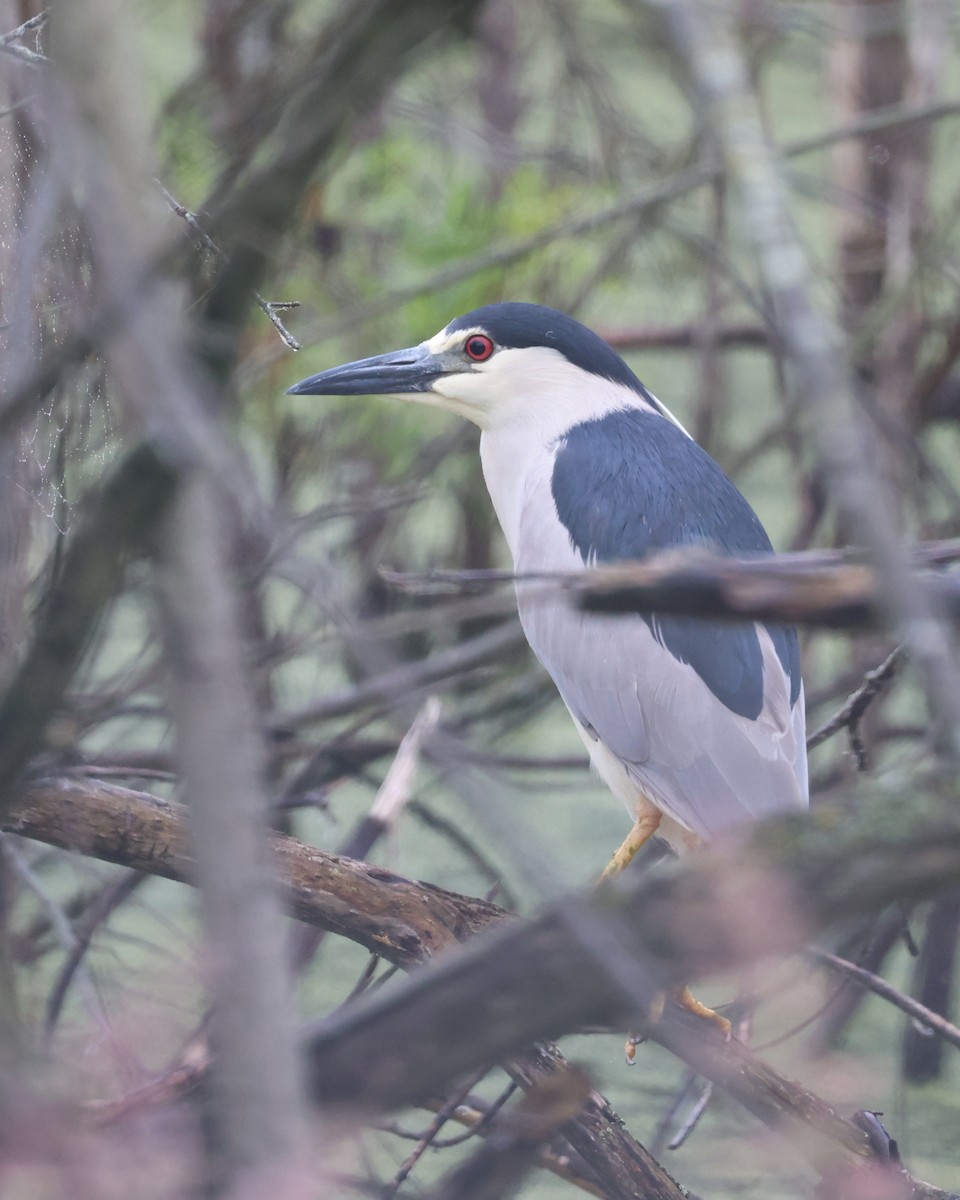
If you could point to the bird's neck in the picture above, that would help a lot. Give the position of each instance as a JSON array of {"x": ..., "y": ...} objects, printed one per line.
[{"x": 511, "y": 459}]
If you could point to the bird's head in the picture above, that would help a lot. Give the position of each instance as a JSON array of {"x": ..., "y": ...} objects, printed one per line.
[{"x": 496, "y": 366}]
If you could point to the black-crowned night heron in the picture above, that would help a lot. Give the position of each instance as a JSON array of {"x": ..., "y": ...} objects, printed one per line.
[{"x": 696, "y": 726}]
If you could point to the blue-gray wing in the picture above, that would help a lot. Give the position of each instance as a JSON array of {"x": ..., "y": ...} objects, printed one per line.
[
  {"x": 710, "y": 728},
  {"x": 631, "y": 483}
]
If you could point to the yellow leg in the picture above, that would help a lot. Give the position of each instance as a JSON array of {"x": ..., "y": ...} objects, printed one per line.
[{"x": 644, "y": 827}]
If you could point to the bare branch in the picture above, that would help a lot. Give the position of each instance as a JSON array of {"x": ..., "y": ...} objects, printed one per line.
[
  {"x": 851, "y": 714},
  {"x": 403, "y": 680},
  {"x": 107, "y": 901},
  {"x": 880, "y": 987},
  {"x": 403, "y": 922},
  {"x": 10, "y": 42},
  {"x": 257, "y": 1114},
  {"x": 394, "y": 793},
  {"x": 933, "y": 984},
  {"x": 33, "y": 25},
  {"x": 391, "y": 799},
  {"x": 270, "y": 307},
  {"x": 693, "y": 1117},
  {"x": 24, "y": 54},
  {"x": 443, "y": 1115},
  {"x": 811, "y": 588}
]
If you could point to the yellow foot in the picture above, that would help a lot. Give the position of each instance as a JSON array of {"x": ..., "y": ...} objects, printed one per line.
[
  {"x": 634, "y": 1040},
  {"x": 686, "y": 999}
]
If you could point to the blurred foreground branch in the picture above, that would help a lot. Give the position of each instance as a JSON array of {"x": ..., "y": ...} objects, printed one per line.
[
  {"x": 599, "y": 959},
  {"x": 810, "y": 588},
  {"x": 222, "y": 754}
]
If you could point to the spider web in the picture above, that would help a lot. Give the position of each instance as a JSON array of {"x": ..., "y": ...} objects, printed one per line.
[{"x": 71, "y": 438}]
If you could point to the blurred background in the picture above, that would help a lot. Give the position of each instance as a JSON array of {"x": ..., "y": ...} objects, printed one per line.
[{"x": 549, "y": 151}]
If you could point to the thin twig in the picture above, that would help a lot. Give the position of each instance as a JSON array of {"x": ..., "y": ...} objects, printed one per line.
[
  {"x": 191, "y": 1067},
  {"x": 269, "y": 307},
  {"x": 468, "y": 848},
  {"x": 486, "y": 1117},
  {"x": 800, "y": 1026},
  {"x": 851, "y": 714},
  {"x": 880, "y": 987},
  {"x": 10, "y": 42},
  {"x": 395, "y": 791},
  {"x": 685, "y": 336},
  {"x": 33, "y": 25},
  {"x": 106, "y": 903},
  {"x": 444, "y": 1114},
  {"x": 497, "y": 1166},
  {"x": 661, "y": 1138},
  {"x": 366, "y": 977},
  {"x": 398, "y": 683},
  {"x": 475, "y": 1115},
  {"x": 23, "y": 54},
  {"x": 119, "y": 771},
  {"x": 391, "y": 799},
  {"x": 59, "y": 923}
]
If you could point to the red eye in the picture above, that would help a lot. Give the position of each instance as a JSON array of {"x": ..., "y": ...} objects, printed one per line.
[{"x": 478, "y": 347}]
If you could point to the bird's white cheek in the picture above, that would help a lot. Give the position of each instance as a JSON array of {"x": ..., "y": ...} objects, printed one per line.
[
  {"x": 446, "y": 401},
  {"x": 465, "y": 395}
]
